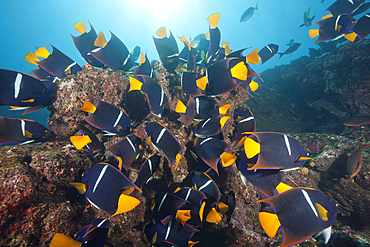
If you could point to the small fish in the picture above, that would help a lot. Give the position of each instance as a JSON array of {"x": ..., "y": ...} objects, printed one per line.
[
  {"x": 307, "y": 21},
  {"x": 59, "y": 64},
  {"x": 135, "y": 53},
  {"x": 22, "y": 131},
  {"x": 112, "y": 198},
  {"x": 299, "y": 213},
  {"x": 157, "y": 99},
  {"x": 106, "y": 117},
  {"x": 113, "y": 54},
  {"x": 173, "y": 234},
  {"x": 24, "y": 91},
  {"x": 163, "y": 140},
  {"x": 126, "y": 150},
  {"x": 148, "y": 168},
  {"x": 273, "y": 150},
  {"x": 291, "y": 49},
  {"x": 94, "y": 234},
  {"x": 248, "y": 13},
  {"x": 357, "y": 121},
  {"x": 85, "y": 44},
  {"x": 340, "y": 7},
  {"x": 88, "y": 142},
  {"x": 267, "y": 52},
  {"x": 354, "y": 162},
  {"x": 167, "y": 49}
]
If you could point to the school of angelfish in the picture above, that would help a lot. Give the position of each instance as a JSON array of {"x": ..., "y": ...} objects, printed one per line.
[{"x": 208, "y": 69}]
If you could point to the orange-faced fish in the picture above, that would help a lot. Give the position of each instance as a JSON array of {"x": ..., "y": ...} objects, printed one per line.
[
  {"x": 357, "y": 121},
  {"x": 114, "y": 53},
  {"x": 292, "y": 48},
  {"x": 334, "y": 28},
  {"x": 354, "y": 162},
  {"x": 112, "y": 198},
  {"x": 94, "y": 234},
  {"x": 166, "y": 206},
  {"x": 299, "y": 213},
  {"x": 87, "y": 142},
  {"x": 269, "y": 181},
  {"x": 85, "y": 44},
  {"x": 164, "y": 140},
  {"x": 156, "y": 97},
  {"x": 248, "y": 13},
  {"x": 167, "y": 49},
  {"x": 126, "y": 150},
  {"x": 148, "y": 168},
  {"x": 106, "y": 117},
  {"x": 344, "y": 7},
  {"x": 59, "y": 64},
  {"x": 24, "y": 91},
  {"x": 187, "y": 111},
  {"x": 267, "y": 52},
  {"x": 273, "y": 150},
  {"x": 173, "y": 234},
  {"x": 306, "y": 18},
  {"x": 23, "y": 131}
]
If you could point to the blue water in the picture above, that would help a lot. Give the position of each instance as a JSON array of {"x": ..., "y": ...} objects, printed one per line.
[{"x": 26, "y": 25}]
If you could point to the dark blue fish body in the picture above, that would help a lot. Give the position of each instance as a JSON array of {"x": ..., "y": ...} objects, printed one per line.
[
  {"x": 85, "y": 44},
  {"x": 109, "y": 118},
  {"x": 95, "y": 145},
  {"x": 248, "y": 13},
  {"x": 126, "y": 150},
  {"x": 363, "y": 7},
  {"x": 267, "y": 52},
  {"x": 243, "y": 121},
  {"x": 362, "y": 27},
  {"x": 188, "y": 83},
  {"x": 168, "y": 51},
  {"x": 299, "y": 213},
  {"x": 147, "y": 170},
  {"x": 19, "y": 89},
  {"x": 95, "y": 234},
  {"x": 115, "y": 55},
  {"x": 59, "y": 64},
  {"x": 340, "y": 7},
  {"x": 16, "y": 130},
  {"x": 334, "y": 28}
]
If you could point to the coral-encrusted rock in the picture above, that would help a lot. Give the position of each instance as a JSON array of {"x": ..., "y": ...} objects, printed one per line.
[{"x": 73, "y": 90}]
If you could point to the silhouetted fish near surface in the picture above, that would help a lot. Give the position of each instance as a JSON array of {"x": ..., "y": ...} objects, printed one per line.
[
  {"x": 167, "y": 49},
  {"x": 307, "y": 21},
  {"x": 354, "y": 162},
  {"x": 291, "y": 49},
  {"x": 248, "y": 13},
  {"x": 314, "y": 52}
]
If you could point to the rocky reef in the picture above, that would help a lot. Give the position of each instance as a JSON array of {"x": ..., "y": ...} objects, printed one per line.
[{"x": 308, "y": 99}]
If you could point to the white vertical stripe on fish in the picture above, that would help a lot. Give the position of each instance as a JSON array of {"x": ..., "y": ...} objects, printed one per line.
[{"x": 17, "y": 85}]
